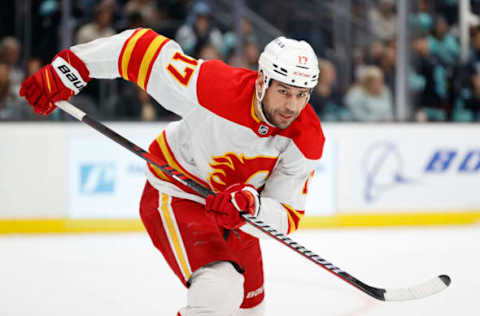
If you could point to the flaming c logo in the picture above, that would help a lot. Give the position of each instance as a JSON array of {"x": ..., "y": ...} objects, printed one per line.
[{"x": 231, "y": 168}]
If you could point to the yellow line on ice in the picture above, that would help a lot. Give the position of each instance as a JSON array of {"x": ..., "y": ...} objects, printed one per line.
[{"x": 65, "y": 225}]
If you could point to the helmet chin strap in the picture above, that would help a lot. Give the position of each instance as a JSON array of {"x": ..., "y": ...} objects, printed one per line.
[{"x": 259, "y": 104}]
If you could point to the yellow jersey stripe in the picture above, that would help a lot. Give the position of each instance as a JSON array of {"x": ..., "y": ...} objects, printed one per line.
[
  {"x": 291, "y": 223},
  {"x": 148, "y": 58},
  {"x": 252, "y": 109},
  {"x": 297, "y": 213},
  {"x": 159, "y": 173},
  {"x": 166, "y": 153},
  {"x": 128, "y": 51}
]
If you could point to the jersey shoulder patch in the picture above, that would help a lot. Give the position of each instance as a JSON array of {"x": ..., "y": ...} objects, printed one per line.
[
  {"x": 306, "y": 132},
  {"x": 226, "y": 91}
]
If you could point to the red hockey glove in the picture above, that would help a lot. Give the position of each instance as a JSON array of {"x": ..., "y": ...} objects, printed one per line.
[
  {"x": 57, "y": 81},
  {"x": 226, "y": 206}
]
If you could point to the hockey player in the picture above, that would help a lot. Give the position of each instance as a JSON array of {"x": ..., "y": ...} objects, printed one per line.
[{"x": 250, "y": 136}]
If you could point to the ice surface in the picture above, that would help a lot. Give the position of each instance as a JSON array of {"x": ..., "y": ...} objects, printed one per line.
[{"x": 122, "y": 274}]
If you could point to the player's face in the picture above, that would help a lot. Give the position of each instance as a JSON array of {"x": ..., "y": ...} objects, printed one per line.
[{"x": 283, "y": 103}]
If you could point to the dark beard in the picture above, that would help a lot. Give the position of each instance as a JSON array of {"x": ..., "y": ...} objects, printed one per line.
[{"x": 267, "y": 115}]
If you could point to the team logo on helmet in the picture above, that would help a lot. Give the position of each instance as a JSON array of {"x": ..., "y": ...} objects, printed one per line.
[
  {"x": 232, "y": 168},
  {"x": 302, "y": 60}
]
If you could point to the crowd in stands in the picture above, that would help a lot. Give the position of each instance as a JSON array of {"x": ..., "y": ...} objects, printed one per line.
[{"x": 443, "y": 88}]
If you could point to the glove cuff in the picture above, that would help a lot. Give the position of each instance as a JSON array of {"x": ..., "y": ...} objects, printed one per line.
[
  {"x": 254, "y": 193},
  {"x": 71, "y": 70},
  {"x": 251, "y": 192}
]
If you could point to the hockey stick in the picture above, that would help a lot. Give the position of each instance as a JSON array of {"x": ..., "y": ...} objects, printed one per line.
[{"x": 427, "y": 288}]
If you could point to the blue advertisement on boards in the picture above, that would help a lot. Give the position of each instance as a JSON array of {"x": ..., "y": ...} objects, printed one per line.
[
  {"x": 106, "y": 181},
  {"x": 409, "y": 169}
]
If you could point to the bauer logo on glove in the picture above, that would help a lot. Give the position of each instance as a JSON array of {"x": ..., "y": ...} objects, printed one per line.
[
  {"x": 58, "y": 81},
  {"x": 69, "y": 75}
]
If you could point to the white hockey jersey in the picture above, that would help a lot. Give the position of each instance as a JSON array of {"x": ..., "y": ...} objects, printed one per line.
[{"x": 219, "y": 141}]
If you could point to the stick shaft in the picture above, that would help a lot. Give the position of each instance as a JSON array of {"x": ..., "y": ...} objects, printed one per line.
[{"x": 287, "y": 241}]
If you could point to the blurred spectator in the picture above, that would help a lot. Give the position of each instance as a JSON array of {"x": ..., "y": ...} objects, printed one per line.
[
  {"x": 475, "y": 42},
  {"x": 251, "y": 53},
  {"x": 33, "y": 65},
  {"x": 375, "y": 53},
  {"x": 133, "y": 20},
  {"x": 236, "y": 61},
  {"x": 175, "y": 9},
  {"x": 371, "y": 56},
  {"x": 361, "y": 33},
  {"x": 248, "y": 59},
  {"x": 10, "y": 109},
  {"x": 444, "y": 88},
  {"x": 99, "y": 27},
  {"x": 325, "y": 98},
  {"x": 387, "y": 64},
  {"x": 422, "y": 20},
  {"x": 208, "y": 52},
  {"x": 358, "y": 62},
  {"x": 9, "y": 55},
  {"x": 133, "y": 103},
  {"x": 449, "y": 9},
  {"x": 46, "y": 21},
  {"x": 370, "y": 100},
  {"x": 442, "y": 44},
  {"x": 383, "y": 20},
  {"x": 6, "y": 96},
  {"x": 148, "y": 112},
  {"x": 467, "y": 106},
  {"x": 230, "y": 40},
  {"x": 199, "y": 31},
  {"x": 432, "y": 99},
  {"x": 148, "y": 9},
  {"x": 473, "y": 60}
]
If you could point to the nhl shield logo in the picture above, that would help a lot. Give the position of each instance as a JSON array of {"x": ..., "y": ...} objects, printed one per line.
[{"x": 263, "y": 129}]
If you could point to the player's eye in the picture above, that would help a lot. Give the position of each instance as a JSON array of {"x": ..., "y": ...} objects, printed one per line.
[{"x": 303, "y": 94}]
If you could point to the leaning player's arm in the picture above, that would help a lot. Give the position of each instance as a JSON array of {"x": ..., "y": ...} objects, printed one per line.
[{"x": 153, "y": 62}]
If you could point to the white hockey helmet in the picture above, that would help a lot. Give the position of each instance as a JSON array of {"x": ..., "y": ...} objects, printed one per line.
[{"x": 289, "y": 61}]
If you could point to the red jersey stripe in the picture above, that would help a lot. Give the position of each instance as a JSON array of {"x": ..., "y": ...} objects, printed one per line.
[
  {"x": 138, "y": 52},
  {"x": 126, "y": 52},
  {"x": 150, "y": 66}
]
